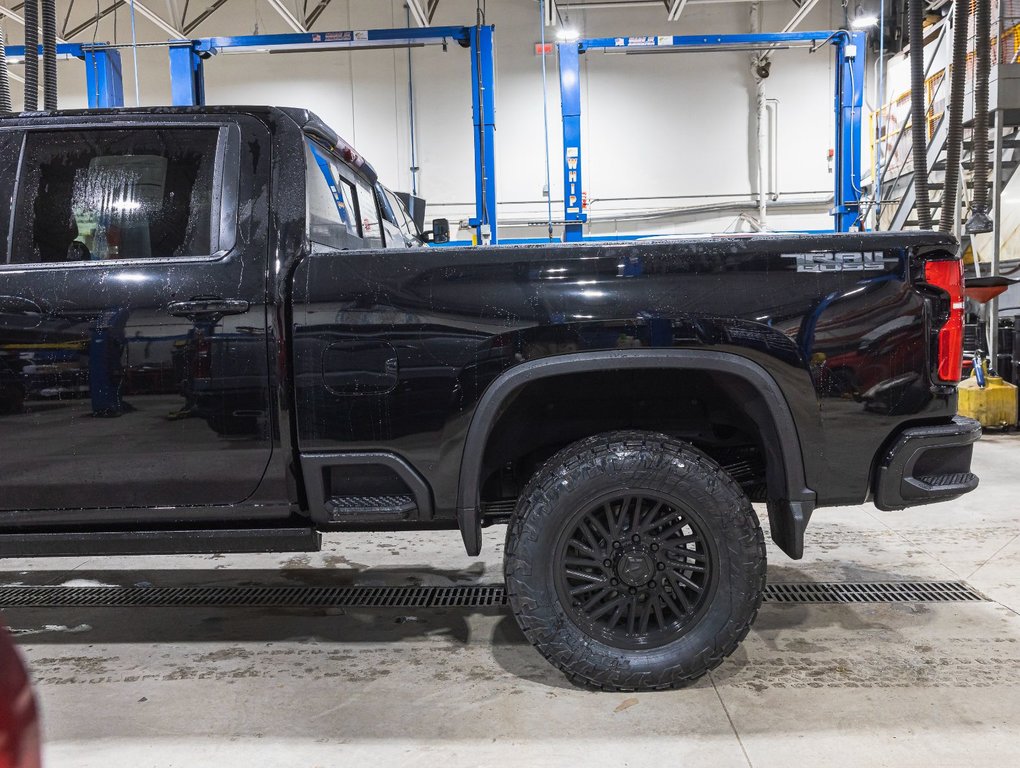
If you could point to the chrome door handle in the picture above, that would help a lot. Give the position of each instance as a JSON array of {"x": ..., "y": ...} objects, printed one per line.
[{"x": 207, "y": 306}]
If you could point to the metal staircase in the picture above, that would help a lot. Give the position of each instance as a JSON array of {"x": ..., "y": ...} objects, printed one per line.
[
  {"x": 898, "y": 208},
  {"x": 899, "y": 185}
]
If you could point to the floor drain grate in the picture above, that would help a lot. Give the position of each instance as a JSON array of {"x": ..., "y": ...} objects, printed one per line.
[
  {"x": 872, "y": 592},
  {"x": 470, "y": 596}
]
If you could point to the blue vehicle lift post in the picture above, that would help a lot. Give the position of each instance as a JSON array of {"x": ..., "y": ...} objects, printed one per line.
[
  {"x": 187, "y": 84},
  {"x": 103, "y": 74},
  {"x": 570, "y": 105},
  {"x": 849, "y": 103}
]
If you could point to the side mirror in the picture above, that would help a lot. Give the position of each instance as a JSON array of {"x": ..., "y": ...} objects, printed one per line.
[{"x": 440, "y": 231}]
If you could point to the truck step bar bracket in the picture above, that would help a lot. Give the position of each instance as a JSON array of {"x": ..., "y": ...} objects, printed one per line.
[{"x": 363, "y": 487}]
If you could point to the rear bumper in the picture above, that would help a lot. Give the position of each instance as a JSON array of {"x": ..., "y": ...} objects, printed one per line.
[{"x": 927, "y": 464}]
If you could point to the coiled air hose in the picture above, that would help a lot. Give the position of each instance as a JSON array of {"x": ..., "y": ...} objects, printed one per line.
[
  {"x": 954, "y": 139},
  {"x": 49, "y": 54},
  {"x": 918, "y": 123},
  {"x": 31, "y": 55},
  {"x": 979, "y": 220}
]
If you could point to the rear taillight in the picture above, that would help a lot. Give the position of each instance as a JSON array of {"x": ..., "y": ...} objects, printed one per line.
[{"x": 948, "y": 275}]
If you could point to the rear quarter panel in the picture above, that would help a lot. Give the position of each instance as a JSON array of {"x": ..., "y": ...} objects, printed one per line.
[{"x": 847, "y": 344}]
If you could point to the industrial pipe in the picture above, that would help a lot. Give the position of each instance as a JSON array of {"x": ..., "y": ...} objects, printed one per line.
[
  {"x": 49, "y": 54},
  {"x": 5, "y": 83},
  {"x": 954, "y": 139},
  {"x": 31, "y": 55},
  {"x": 979, "y": 220},
  {"x": 762, "y": 120},
  {"x": 918, "y": 126}
]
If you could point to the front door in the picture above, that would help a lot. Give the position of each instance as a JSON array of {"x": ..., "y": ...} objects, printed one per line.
[{"x": 132, "y": 318}]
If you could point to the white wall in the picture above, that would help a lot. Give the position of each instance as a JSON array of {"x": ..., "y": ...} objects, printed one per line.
[{"x": 660, "y": 131}]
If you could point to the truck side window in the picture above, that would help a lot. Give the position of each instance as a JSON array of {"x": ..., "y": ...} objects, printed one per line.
[
  {"x": 95, "y": 194},
  {"x": 332, "y": 219},
  {"x": 371, "y": 224},
  {"x": 404, "y": 220},
  {"x": 10, "y": 154}
]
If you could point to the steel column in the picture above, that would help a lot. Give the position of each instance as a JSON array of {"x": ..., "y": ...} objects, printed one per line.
[
  {"x": 187, "y": 76},
  {"x": 483, "y": 112},
  {"x": 849, "y": 104},
  {"x": 992, "y": 324},
  {"x": 104, "y": 78},
  {"x": 570, "y": 104}
]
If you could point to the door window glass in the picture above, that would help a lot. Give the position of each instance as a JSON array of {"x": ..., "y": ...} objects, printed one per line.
[
  {"x": 10, "y": 154},
  {"x": 403, "y": 218},
  {"x": 332, "y": 221},
  {"x": 370, "y": 222},
  {"x": 98, "y": 194}
]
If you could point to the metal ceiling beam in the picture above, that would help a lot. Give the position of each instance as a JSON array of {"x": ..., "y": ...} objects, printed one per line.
[
  {"x": 418, "y": 12},
  {"x": 675, "y": 9},
  {"x": 802, "y": 11},
  {"x": 96, "y": 18},
  {"x": 8, "y": 14},
  {"x": 316, "y": 13},
  {"x": 175, "y": 16},
  {"x": 157, "y": 20},
  {"x": 287, "y": 15},
  {"x": 550, "y": 13},
  {"x": 191, "y": 25}
]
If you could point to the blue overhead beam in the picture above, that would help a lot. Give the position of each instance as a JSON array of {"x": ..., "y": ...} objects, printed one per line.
[
  {"x": 756, "y": 39},
  {"x": 363, "y": 38}
]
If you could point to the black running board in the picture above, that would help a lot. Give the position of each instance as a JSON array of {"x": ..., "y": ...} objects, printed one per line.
[{"x": 293, "y": 538}]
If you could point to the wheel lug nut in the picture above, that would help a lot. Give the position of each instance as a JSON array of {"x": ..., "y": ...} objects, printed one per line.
[
  {"x": 616, "y": 545},
  {"x": 655, "y": 547},
  {"x": 651, "y": 585},
  {"x": 661, "y": 566},
  {"x": 632, "y": 590},
  {"x": 635, "y": 538},
  {"x": 613, "y": 582},
  {"x": 608, "y": 563}
]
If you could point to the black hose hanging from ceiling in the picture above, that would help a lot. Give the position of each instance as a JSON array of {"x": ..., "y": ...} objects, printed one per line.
[
  {"x": 31, "y": 55},
  {"x": 954, "y": 139},
  {"x": 5, "y": 83},
  {"x": 918, "y": 122},
  {"x": 49, "y": 54},
  {"x": 979, "y": 220}
]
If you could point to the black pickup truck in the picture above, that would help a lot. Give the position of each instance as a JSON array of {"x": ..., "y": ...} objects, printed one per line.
[{"x": 219, "y": 332}]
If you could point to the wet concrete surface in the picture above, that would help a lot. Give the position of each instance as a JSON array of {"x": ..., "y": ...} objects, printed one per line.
[{"x": 861, "y": 684}]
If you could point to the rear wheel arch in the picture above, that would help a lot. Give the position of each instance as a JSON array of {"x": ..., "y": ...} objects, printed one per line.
[{"x": 790, "y": 500}]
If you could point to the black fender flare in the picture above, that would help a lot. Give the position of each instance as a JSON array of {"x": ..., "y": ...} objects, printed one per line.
[{"x": 788, "y": 513}]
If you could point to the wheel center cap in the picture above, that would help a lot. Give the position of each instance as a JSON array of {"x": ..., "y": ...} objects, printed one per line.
[{"x": 635, "y": 568}]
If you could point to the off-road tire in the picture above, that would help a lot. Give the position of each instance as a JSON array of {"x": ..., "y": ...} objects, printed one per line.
[{"x": 586, "y": 473}]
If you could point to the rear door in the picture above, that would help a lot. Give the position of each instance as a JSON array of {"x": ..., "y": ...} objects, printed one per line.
[{"x": 133, "y": 315}]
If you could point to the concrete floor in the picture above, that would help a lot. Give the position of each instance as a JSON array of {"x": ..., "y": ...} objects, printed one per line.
[{"x": 897, "y": 685}]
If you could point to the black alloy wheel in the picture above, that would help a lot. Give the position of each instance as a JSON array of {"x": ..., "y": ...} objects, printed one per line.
[
  {"x": 634, "y": 562},
  {"x": 634, "y": 570}
]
